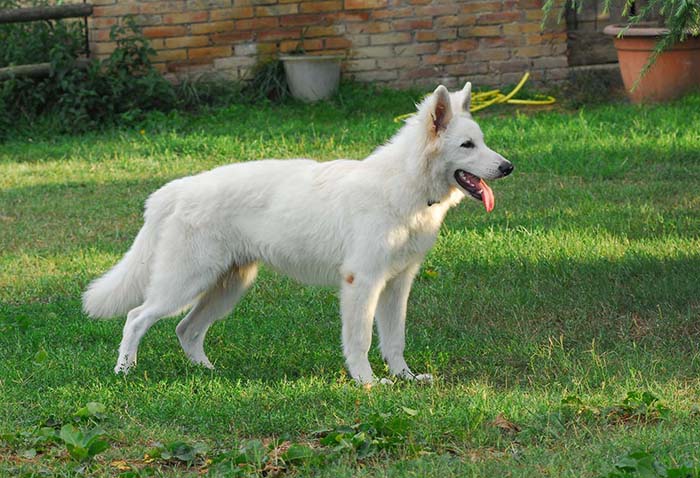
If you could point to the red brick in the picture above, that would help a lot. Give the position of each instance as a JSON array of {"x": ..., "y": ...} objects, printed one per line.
[
  {"x": 189, "y": 17},
  {"x": 211, "y": 27},
  {"x": 306, "y": 45},
  {"x": 363, "y": 4},
  {"x": 459, "y": 45},
  {"x": 99, "y": 35},
  {"x": 312, "y": 32},
  {"x": 400, "y": 62},
  {"x": 454, "y": 21},
  {"x": 481, "y": 7},
  {"x": 358, "y": 40},
  {"x": 491, "y": 42},
  {"x": 296, "y": 20},
  {"x": 115, "y": 10},
  {"x": 102, "y": 22},
  {"x": 530, "y": 4},
  {"x": 322, "y": 6},
  {"x": 442, "y": 59},
  {"x": 484, "y": 31},
  {"x": 257, "y": 23},
  {"x": 230, "y": 37},
  {"x": 371, "y": 27},
  {"x": 394, "y": 13},
  {"x": 536, "y": 15},
  {"x": 231, "y": 13},
  {"x": 373, "y": 52},
  {"x": 422, "y": 73},
  {"x": 188, "y": 41},
  {"x": 103, "y": 48},
  {"x": 168, "y": 55},
  {"x": 277, "y": 10},
  {"x": 349, "y": 16},
  {"x": 162, "y": 7},
  {"x": 429, "y": 35},
  {"x": 279, "y": 34},
  {"x": 413, "y": 24},
  {"x": 492, "y": 54},
  {"x": 187, "y": 65},
  {"x": 498, "y": 18},
  {"x": 416, "y": 49},
  {"x": 209, "y": 52},
  {"x": 390, "y": 38},
  {"x": 336, "y": 43},
  {"x": 361, "y": 65},
  {"x": 510, "y": 66},
  {"x": 377, "y": 75},
  {"x": 533, "y": 51},
  {"x": 157, "y": 43},
  {"x": 164, "y": 31},
  {"x": 267, "y": 49},
  {"x": 436, "y": 10},
  {"x": 530, "y": 27},
  {"x": 467, "y": 68}
]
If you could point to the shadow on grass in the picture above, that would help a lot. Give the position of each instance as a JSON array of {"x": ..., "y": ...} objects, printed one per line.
[{"x": 473, "y": 320}]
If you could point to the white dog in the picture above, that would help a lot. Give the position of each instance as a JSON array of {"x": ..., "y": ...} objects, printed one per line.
[{"x": 364, "y": 226}]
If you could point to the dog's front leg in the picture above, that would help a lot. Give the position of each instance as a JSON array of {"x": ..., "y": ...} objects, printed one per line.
[
  {"x": 391, "y": 323},
  {"x": 358, "y": 302}
]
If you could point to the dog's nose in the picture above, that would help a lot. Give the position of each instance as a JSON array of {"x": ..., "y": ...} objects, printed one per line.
[{"x": 506, "y": 168}]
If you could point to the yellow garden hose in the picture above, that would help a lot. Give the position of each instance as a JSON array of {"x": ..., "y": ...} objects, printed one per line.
[{"x": 485, "y": 99}]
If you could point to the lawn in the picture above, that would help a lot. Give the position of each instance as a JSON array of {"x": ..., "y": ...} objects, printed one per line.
[{"x": 563, "y": 328}]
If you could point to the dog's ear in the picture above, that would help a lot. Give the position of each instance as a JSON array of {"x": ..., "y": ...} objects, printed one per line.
[
  {"x": 441, "y": 111},
  {"x": 467, "y": 97}
]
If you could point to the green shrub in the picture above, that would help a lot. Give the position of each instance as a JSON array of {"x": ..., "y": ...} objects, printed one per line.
[{"x": 119, "y": 88}]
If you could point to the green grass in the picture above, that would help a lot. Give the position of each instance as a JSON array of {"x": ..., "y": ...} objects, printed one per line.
[{"x": 583, "y": 282}]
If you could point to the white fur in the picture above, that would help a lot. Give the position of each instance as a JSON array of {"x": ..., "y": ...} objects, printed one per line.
[{"x": 364, "y": 226}]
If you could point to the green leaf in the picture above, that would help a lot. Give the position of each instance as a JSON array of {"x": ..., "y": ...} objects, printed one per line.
[
  {"x": 91, "y": 409},
  {"x": 298, "y": 453},
  {"x": 182, "y": 451},
  {"x": 71, "y": 435},
  {"x": 97, "y": 447},
  {"x": 410, "y": 411},
  {"x": 41, "y": 356},
  {"x": 77, "y": 453}
]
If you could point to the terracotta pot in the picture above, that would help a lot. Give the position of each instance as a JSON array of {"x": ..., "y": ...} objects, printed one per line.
[{"x": 675, "y": 72}]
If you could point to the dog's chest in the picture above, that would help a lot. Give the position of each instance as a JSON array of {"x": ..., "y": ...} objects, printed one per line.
[{"x": 414, "y": 238}]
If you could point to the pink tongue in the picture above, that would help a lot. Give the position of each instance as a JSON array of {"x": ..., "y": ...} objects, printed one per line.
[{"x": 487, "y": 196}]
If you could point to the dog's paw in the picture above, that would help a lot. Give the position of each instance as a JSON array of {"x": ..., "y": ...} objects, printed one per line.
[
  {"x": 124, "y": 365},
  {"x": 121, "y": 369},
  {"x": 423, "y": 378},
  {"x": 202, "y": 362},
  {"x": 406, "y": 374}
]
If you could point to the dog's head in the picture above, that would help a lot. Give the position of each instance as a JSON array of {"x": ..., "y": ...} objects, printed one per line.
[{"x": 458, "y": 152}]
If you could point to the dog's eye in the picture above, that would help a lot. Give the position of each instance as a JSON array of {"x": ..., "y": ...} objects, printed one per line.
[{"x": 467, "y": 144}]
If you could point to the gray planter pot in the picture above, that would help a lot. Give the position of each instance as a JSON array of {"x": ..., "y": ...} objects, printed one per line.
[{"x": 312, "y": 78}]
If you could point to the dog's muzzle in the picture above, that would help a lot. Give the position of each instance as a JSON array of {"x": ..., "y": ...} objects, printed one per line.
[{"x": 505, "y": 168}]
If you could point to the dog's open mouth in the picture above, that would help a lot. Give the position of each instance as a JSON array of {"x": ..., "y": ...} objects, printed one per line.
[{"x": 476, "y": 187}]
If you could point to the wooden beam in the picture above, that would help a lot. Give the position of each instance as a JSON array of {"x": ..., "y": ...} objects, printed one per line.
[
  {"x": 36, "y": 70},
  {"x": 73, "y": 10}
]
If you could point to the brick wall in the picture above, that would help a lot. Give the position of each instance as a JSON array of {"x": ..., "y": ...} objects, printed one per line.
[{"x": 400, "y": 43}]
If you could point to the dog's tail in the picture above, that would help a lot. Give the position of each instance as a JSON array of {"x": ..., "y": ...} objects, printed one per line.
[{"x": 124, "y": 286}]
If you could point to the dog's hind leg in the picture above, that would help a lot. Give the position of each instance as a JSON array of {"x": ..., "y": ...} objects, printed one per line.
[
  {"x": 213, "y": 305},
  {"x": 179, "y": 276},
  {"x": 391, "y": 323}
]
